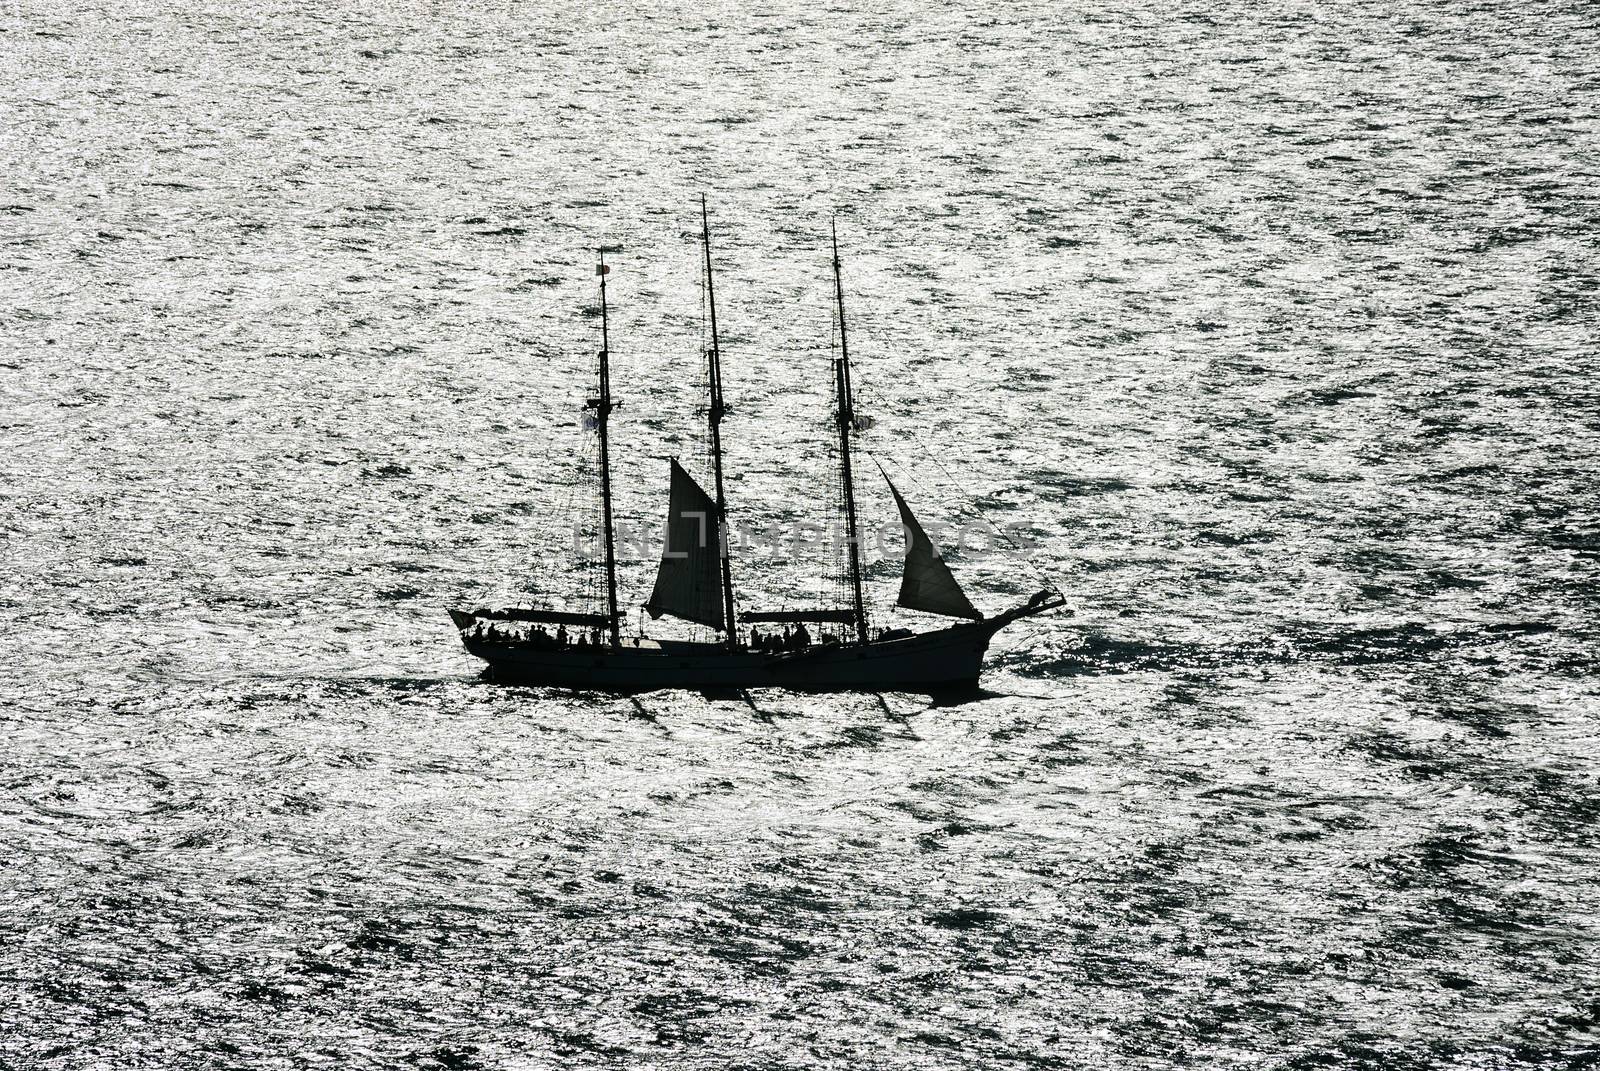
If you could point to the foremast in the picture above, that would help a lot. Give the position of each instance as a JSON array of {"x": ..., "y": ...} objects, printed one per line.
[
  {"x": 846, "y": 421},
  {"x": 714, "y": 415},
  {"x": 602, "y": 406}
]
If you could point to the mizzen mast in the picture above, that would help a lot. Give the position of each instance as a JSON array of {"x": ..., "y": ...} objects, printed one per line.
[
  {"x": 846, "y": 419},
  {"x": 714, "y": 415}
]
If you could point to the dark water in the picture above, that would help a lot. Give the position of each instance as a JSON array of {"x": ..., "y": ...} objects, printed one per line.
[{"x": 1275, "y": 325}]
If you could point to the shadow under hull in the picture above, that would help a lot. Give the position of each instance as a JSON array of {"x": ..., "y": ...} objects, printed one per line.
[{"x": 949, "y": 659}]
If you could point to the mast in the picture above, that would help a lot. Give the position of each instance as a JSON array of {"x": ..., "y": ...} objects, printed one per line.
[
  {"x": 846, "y": 415},
  {"x": 602, "y": 414},
  {"x": 714, "y": 414}
]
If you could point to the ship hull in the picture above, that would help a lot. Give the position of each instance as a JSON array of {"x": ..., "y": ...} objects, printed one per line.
[{"x": 950, "y": 658}]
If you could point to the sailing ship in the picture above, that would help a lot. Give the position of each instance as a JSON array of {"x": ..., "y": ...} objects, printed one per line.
[{"x": 694, "y": 583}]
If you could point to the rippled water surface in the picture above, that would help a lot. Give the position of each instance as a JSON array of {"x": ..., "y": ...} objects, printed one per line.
[{"x": 1274, "y": 325}]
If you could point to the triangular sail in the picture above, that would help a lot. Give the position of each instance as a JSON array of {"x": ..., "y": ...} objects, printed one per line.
[
  {"x": 927, "y": 583},
  {"x": 689, "y": 582}
]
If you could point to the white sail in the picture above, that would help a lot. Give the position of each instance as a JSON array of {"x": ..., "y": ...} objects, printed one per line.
[
  {"x": 689, "y": 582},
  {"x": 927, "y": 583}
]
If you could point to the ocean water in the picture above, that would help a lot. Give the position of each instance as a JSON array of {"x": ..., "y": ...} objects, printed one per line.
[{"x": 1272, "y": 326}]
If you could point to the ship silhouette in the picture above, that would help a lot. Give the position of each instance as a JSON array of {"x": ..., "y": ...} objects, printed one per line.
[{"x": 694, "y": 582}]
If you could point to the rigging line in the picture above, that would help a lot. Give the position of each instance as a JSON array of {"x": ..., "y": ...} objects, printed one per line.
[
  {"x": 884, "y": 340},
  {"x": 576, "y": 446},
  {"x": 966, "y": 506},
  {"x": 584, "y": 573},
  {"x": 580, "y": 451}
]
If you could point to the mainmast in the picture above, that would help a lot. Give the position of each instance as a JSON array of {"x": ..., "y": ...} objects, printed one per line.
[
  {"x": 714, "y": 414},
  {"x": 602, "y": 413},
  {"x": 846, "y": 415}
]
